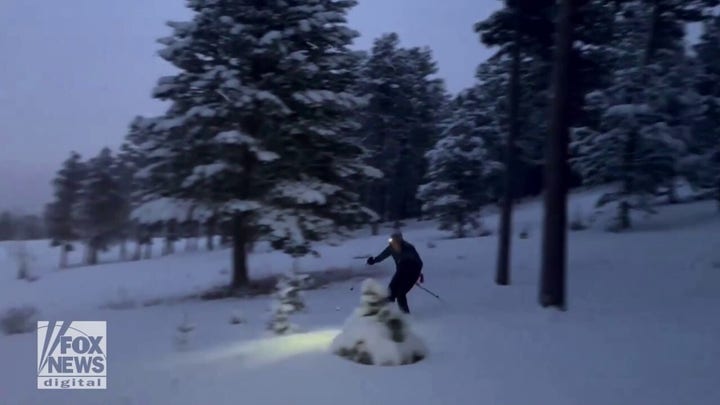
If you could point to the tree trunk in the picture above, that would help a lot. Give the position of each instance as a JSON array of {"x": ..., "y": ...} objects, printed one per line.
[
  {"x": 63, "y": 256},
  {"x": 148, "y": 250},
  {"x": 672, "y": 192},
  {"x": 91, "y": 254},
  {"x": 138, "y": 251},
  {"x": 375, "y": 228},
  {"x": 239, "y": 239},
  {"x": 554, "y": 244},
  {"x": 123, "y": 250},
  {"x": 502, "y": 274},
  {"x": 210, "y": 241},
  {"x": 189, "y": 236},
  {"x": 169, "y": 244},
  {"x": 717, "y": 192}
]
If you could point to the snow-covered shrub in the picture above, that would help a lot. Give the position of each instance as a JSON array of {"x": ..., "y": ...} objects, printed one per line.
[
  {"x": 19, "y": 320},
  {"x": 289, "y": 300},
  {"x": 289, "y": 290},
  {"x": 280, "y": 322},
  {"x": 377, "y": 333}
]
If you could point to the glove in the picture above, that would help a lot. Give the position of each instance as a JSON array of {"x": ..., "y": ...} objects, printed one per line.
[
  {"x": 370, "y": 261},
  {"x": 422, "y": 278}
]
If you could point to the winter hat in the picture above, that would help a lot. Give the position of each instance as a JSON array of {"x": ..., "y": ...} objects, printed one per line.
[{"x": 397, "y": 235}]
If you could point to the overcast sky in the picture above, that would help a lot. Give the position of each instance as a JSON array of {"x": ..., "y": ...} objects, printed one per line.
[{"x": 73, "y": 73}]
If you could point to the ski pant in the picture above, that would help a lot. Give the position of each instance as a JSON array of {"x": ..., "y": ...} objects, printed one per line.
[{"x": 406, "y": 275}]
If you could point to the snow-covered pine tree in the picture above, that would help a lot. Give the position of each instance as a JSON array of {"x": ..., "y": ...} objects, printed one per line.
[
  {"x": 705, "y": 143},
  {"x": 377, "y": 333},
  {"x": 288, "y": 300},
  {"x": 400, "y": 122},
  {"x": 632, "y": 141},
  {"x": 314, "y": 194},
  {"x": 257, "y": 122},
  {"x": 207, "y": 148},
  {"x": 60, "y": 216},
  {"x": 289, "y": 290},
  {"x": 461, "y": 175},
  {"x": 100, "y": 209}
]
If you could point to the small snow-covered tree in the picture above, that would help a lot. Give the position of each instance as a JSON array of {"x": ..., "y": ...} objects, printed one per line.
[
  {"x": 377, "y": 333},
  {"x": 60, "y": 215},
  {"x": 289, "y": 300},
  {"x": 460, "y": 173}
]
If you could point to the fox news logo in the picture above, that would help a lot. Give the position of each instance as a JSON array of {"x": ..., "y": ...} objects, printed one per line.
[{"x": 72, "y": 355}]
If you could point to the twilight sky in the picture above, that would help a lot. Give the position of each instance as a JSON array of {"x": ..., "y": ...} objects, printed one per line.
[{"x": 73, "y": 73}]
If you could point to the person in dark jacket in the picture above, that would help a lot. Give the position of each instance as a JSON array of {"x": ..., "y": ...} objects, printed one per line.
[{"x": 408, "y": 269}]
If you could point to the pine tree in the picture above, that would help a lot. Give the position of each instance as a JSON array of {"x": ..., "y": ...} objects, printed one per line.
[
  {"x": 461, "y": 173},
  {"x": 289, "y": 300},
  {"x": 60, "y": 216},
  {"x": 400, "y": 122},
  {"x": 8, "y": 227},
  {"x": 101, "y": 208},
  {"x": 638, "y": 136},
  {"x": 705, "y": 143},
  {"x": 313, "y": 196},
  {"x": 256, "y": 130}
]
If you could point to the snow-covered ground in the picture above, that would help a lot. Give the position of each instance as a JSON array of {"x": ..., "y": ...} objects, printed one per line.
[{"x": 642, "y": 326}]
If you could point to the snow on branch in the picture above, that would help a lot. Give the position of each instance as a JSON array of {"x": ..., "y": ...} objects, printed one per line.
[
  {"x": 166, "y": 209},
  {"x": 305, "y": 192}
]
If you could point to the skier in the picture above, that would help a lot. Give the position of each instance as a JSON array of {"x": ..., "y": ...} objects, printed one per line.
[{"x": 408, "y": 269}]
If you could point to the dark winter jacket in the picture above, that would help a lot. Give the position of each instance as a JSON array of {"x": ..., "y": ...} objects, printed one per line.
[{"x": 406, "y": 255}]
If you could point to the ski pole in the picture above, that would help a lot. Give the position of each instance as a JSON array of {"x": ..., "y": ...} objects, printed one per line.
[{"x": 428, "y": 291}]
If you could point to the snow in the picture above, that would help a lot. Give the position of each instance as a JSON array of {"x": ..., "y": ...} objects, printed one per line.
[
  {"x": 305, "y": 192},
  {"x": 234, "y": 137},
  {"x": 166, "y": 209},
  {"x": 270, "y": 37},
  {"x": 313, "y": 97},
  {"x": 640, "y": 328},
  {"x": 366, "y": 338}
]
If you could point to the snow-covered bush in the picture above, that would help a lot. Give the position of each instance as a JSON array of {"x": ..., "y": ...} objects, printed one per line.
[
  {"x": 289, "y": 300},
  {"x": 377, "y": 333},
  {"x": 280, "y": 322},
  {"x": 19, "y": 320}
]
